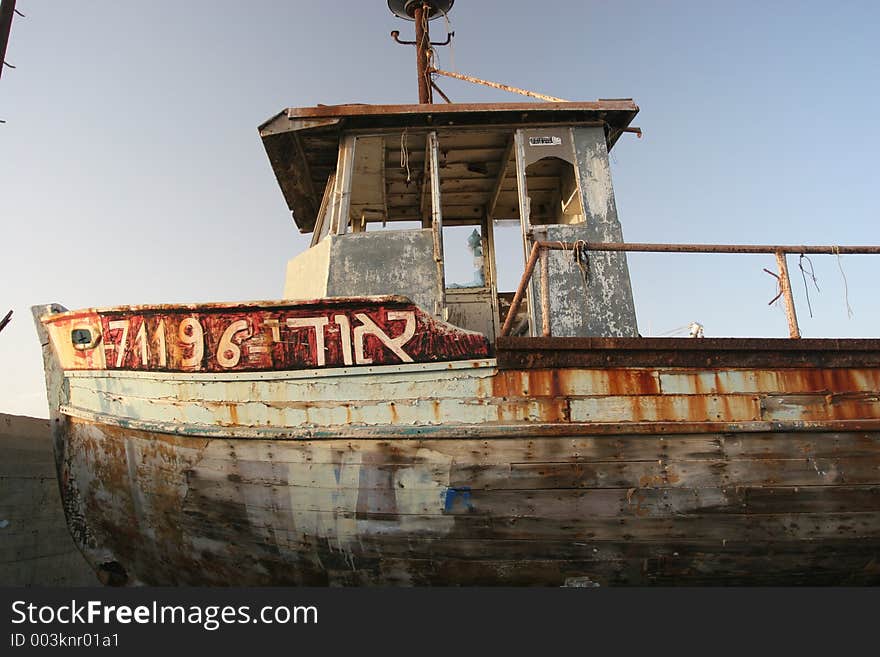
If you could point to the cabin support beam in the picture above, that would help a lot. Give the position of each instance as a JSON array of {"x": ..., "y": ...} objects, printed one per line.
[
  {"x": 524, "y": 211},
  {"x": 499, "y": 181},
  {"x": 785, "y": 286},
  {"x": 341, "y": 202},
  {"x": 437, "y": 223}
]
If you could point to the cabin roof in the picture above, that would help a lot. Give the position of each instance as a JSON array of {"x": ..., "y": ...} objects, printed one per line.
[{"x": 302, "y": 143}]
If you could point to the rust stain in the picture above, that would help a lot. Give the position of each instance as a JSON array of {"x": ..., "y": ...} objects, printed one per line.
[
  {"x": 632, "y": 382},
  {"x": 543, "y": 383},
  {"x": 501, "y": 384}
]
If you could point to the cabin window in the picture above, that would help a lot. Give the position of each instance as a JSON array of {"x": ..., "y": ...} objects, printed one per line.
[
  {"x": 463, "y": 251},
  {"x": 509, "y": 261},
  {"x": 388, "y": 188},
  {"x": 554, "y": 195}
]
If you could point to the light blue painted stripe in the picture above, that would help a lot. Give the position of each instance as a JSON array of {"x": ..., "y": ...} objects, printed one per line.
[{"x": 480, "y": 368}]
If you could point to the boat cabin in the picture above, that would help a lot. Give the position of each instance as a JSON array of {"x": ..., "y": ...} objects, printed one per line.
[{"x": 391, "y": 194}]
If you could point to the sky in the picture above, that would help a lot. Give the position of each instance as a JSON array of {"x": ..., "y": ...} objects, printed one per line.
[{"x": 131, "y": 170}]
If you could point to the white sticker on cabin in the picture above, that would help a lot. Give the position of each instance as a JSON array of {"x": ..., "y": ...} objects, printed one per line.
[{"x": 549, "y": 140}]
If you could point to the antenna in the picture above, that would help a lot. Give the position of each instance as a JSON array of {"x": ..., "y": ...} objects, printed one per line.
[{"x": 422, "y": 11}]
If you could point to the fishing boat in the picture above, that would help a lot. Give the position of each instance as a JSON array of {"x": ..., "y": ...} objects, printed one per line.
[{"x": 381, "y": 425}]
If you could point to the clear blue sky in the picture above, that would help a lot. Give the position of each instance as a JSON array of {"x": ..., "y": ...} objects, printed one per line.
[{"x": 131, "y": 170}]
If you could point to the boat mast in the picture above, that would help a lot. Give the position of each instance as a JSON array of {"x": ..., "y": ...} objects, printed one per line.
[
  {"x": 423, "y": 43},
  {"x": 421, "y": 11}
]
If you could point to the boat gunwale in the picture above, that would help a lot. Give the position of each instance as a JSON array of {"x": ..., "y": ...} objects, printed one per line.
[
  {"x": 484, "y": 366},
  {"x": 485, "y": 431}
]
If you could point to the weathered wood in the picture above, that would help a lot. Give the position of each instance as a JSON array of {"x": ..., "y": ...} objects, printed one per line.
[
  {"x": 634, "y": 509},
  {"x": 564, "y": 476}
]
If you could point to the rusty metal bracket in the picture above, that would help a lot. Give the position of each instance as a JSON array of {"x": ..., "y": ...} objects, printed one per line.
[
  {"x": 778, "y": 286},
  {"x": 449, "y": 36},
  {"x": 395, "y": 34}
]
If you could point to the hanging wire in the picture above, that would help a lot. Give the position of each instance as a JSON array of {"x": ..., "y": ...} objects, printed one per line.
[
  {"x": 812, "y": 276},
  {"x": 404, "y": 157},
  {"x": 678, "y": 329},
  {"x": 849, "y": 310},
  {"x": 452, "y": 42}
]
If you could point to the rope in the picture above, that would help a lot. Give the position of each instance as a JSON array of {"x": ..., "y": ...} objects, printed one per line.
[
  {"x": 452, "y": 42},
  {"x": 849, "y": 310},
  {"x": 679, "y": 329},
  {"x": 404, "y": 157},
  {"x": 812, "y": 276},
  {"x": 582, "y": 260}
]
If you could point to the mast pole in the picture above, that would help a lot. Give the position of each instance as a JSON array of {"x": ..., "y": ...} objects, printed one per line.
[
  {"x": 7, "y": 9},
  {"x": 423, "y": 45}
]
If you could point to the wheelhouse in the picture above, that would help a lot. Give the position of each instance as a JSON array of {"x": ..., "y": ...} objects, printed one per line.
[{"x": 443, "y": 203}]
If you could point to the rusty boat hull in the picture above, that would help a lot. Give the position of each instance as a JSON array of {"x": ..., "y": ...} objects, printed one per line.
[{"x": 547, "y": 461}]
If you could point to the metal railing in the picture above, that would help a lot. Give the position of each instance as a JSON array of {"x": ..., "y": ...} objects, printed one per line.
[{"x": 540, "y": 249}]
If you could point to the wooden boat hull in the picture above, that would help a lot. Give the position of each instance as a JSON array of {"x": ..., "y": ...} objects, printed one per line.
[
  {"x": 753, "y": 508},
  {"x": 557, "y": 462}
]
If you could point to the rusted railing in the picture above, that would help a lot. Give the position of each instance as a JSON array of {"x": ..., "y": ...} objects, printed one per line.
[{"x": 539, "y": 249}]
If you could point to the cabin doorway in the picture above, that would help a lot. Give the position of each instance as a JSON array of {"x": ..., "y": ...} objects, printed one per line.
[{"x": 470, "y": 297}]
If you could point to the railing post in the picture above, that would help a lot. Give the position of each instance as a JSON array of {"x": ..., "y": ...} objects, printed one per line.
[
  {"x": 437, "y": 225},
  {"x": 521, "y": 290},
  {"x": 545, "y": 294},
  {"x": 785, "y": 284}
]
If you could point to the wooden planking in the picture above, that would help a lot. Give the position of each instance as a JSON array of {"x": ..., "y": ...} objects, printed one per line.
[
  {"x": 789, "y": 381},
  {"x": 508, "y": 383},
  {"x": 472, "y": 400},
  {"x": 857, "y": 405},
  {"x": 237, "y": 517},
  {"x": 654, "y": 408},
  {"x": 448, "y": 156},
  {"x": 349, "y": 529},
  {"x": 566, "y": 449},
  {"x": 560, "y": 504},
  {"x": 481, "y": 185},
  {"x": 438, "y": 477}
]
